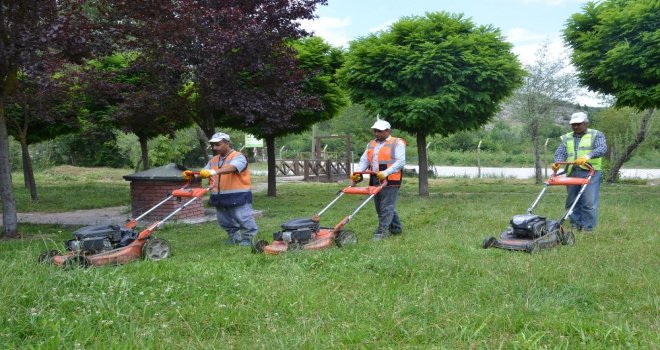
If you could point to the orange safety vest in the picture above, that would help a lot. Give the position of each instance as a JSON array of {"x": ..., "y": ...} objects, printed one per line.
[
  {"x": 385, "y": 160},
  {"x": 232, "y": 187}
]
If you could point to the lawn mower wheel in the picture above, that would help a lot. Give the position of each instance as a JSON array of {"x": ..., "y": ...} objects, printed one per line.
[
  {"x": 345, "y": 238},
  {"x": 156, "y": 249}
]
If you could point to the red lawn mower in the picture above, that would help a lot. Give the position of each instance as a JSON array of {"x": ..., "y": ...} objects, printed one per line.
[
  {"x": 531, "y": 233},
  {"x": 306, "y": 233},
  {"x": 113, "y": 244}
]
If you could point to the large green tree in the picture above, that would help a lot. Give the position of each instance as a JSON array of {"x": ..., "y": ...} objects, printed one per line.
[
  {"x": 436, "y": 74},
  {"x": 616, "y": 49},
  {"x": 133, "y": 93}
]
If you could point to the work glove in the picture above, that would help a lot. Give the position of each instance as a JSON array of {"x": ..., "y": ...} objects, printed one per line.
[
  {"x": 356, "y": 177},
  {"x": 381, "y": 175},
  {"x": 187, "y": 175},
  {"x": 555, "y": 167},
  {"x": 581, "y": 160},
  {"x": 205, "y": 173}
]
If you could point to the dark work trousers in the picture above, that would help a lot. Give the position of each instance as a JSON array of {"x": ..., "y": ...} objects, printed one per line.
[{"x": 388, "y": 218}]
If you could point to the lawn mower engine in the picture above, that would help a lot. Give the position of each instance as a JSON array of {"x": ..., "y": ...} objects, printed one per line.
[
  {"x": 529, "y": 226},
  {"x": 300, "y": 231},
  {"x": 100, "y": 238}
]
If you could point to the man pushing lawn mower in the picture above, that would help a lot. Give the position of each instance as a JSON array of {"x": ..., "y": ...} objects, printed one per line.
[
  {"x": 580, "y": 146},
  {"x": 232, "y": 196},
  {"x": 386, "y": 156}
]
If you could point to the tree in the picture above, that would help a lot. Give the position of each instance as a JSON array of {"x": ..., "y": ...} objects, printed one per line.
[
  {"x": 298, "y": 101},
  {"x": 136, "y": 94},
  {"x": 228, "y": 46},
  {"x": 546, "y": 84},
  {"x": 429, "y": 75},
  {"x": 616, "y": 45},
  {"x": 622, "y": 127},
  {"x": 38, "y": 111},
  {"x": 31, "y": 34}
]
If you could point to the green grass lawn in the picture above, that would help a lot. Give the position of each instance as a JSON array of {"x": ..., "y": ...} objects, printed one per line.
[{"x": 432, "y": 287}]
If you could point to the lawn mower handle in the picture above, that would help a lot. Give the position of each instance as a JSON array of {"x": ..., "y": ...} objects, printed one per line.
[
  {"x": 369, "y": 172},
  {"x": 588, "y": 165},
  {"x": 133, "y": 222},
  {"x": 196, "y": 173}
]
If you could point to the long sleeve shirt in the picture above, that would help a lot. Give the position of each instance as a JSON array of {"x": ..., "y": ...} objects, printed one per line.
[
  {"x": 399, "y": 158},
  {"x": 599, "y": 150},
  {"x": 240, "y": 162}
]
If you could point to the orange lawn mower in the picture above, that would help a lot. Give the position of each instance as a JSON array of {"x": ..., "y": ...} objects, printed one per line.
[
  {"x": 306, "y": 233},
  {"x": 113, "y": 244},
  {"x": 531, "y": 233}
]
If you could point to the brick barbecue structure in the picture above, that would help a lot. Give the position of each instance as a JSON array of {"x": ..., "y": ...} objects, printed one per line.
[{"x": 150, "y": 187}]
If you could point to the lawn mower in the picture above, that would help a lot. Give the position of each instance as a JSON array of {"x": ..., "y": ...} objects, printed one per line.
[
  {"x": 306, "y": 233},
  {"x": 113, "y": 244},
  {"x": 531, "y": 233}
]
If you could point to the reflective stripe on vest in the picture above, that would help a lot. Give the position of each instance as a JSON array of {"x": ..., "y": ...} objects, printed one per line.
[
  {"x": 231, "y": 182},
  {"x": 584, "y": 148},
  {"x": 385, "y": 159}
]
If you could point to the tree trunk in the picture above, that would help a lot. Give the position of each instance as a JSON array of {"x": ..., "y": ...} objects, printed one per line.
[
  {"x": 206, "y": 119},
  {"x": 270, "y": 149},
  {"x": 144, "y": 149},
  {"x": 613, "y": 176},
  {"x": 538, "y": 171},
  {"x": 203, "y": 143},
  {"x": 9, "y": 217},
  {"x": 28, "y": 171},
  {"x": 423, "y": 165}
]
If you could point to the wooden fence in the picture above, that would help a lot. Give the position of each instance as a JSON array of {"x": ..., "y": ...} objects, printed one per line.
[{"x": 314, "y": 169}]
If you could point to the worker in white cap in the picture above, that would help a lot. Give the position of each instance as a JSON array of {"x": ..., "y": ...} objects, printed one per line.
[
  {"x": 580, "y": 146},
  {"x": 232, "y": 197},
  {"x": 385, "y": 155}
]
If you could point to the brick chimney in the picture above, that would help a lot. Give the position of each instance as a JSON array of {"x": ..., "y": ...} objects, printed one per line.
[{"x": 150, "y": 187}]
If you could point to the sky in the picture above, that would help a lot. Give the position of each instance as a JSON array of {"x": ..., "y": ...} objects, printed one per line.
[{"x": 527, "y": 24}]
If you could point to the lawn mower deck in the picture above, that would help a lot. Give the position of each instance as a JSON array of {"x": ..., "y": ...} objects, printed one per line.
[
  {"x": 306, "y": 233},
  {"x": 113, "y": 244},
  {"x": 532, "y": 233}
]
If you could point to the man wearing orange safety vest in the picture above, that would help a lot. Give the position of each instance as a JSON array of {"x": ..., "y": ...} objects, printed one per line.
[
  {"x": 385, "y": 155},
  {"x": 232, "y": 197}
]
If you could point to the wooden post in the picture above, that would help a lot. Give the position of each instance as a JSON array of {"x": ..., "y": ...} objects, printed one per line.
[
  {"x": 545, "y": 152},
  {"x": 349, "y": 153},
  {"x": 306, "y": 170},
  {"x": 479, "y": 160},
  {"x": 328, "y": 169}
]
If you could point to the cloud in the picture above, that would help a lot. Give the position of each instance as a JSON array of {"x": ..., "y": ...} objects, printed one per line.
[
  {"x": 526, "y": 44},
  {"x": 522, "y": 35},
  {"x": 332, "y": 29}
]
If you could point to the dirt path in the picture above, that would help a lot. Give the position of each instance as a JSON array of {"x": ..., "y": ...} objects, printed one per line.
[
  {"x": 102, "y": 216},
  {"x": 105, "y": 216}
]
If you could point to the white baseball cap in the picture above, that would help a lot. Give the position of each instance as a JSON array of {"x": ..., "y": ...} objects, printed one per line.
[
  {"x": 219, "y": 136},
  {"x": 381, "y": 125},
  {"x": 578, "y": 117}
]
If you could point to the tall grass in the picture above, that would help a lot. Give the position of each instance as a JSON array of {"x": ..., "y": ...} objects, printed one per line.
[{"x": 432, "y": 287}]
